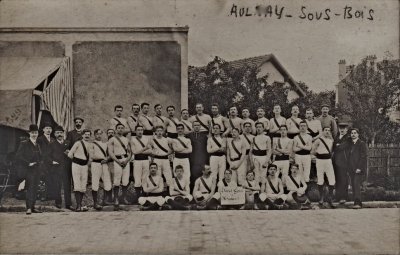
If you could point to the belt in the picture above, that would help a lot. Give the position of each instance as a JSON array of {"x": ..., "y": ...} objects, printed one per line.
[
  {"x": 82, "y": 162},
  {"x": 303, "y": 152},
  {"x": 182, "y": 155},
  {"x": 275, "y": 134},
  {"x": 259, "y": 152},
  {"x": 235, "y": 159},
  {"x": 217, "y": 154},
  {"x": 161, "y": 157},
  {"x": 153, "y": 194},
  {"x": 172, "y": 135},
  {"x": 323, "y": 156},
  {"x": 281, "y": 157},
  {"x": 247, "y": 152},
  {"x": 141, "y": 157},
  {"x": 97, "y": 160},
  {"x": 147, "y": 132},
  {"x": 121, "y": 156}
]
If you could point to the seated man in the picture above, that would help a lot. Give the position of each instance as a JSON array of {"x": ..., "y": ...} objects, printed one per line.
[
  {"x": 297, "y": 186},
  {"x": 252, "y": 188},
  {"x": 153, "y": 186},
  {"x": 179, "y": 191},
  {"x": 272, "y": 193},
  {"x": 227, "y": 181},
  {"x": 204, "y": 190}
]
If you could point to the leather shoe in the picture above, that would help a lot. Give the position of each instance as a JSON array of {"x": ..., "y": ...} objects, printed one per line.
[
  {"x": 29, "y": 212},
  {"x": 69, "y": 207},
  {"x": 36, "y": 211},
  {"x": 58, "y": 206}
]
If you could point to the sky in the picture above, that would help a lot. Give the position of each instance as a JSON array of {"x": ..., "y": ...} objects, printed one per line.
[{"x": 309, "y": 49}]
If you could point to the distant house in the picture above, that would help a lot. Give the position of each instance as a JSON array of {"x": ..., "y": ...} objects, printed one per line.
[
  {"x": 269, "y": 66},
  {"x": 342, "y": 93}
]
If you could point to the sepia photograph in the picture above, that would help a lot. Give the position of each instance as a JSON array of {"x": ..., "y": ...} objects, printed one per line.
[{"x": 199, "y": 127}]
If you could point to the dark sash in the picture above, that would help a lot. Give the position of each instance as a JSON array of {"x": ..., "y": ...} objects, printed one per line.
[
  {"x": 312, "y": 133},
  {"x": 122, "y": 144},
  {"x": 216, "y": 141},
  {"x": 178, "y": 183},
  {"x": 248, "y": 140},
  {"x": 186, "y": 125},
  {"x": 205, "y": 184},
  {"x": 160, "y": 146},
  {"x": 302, "y": 140},
  {"x": 249, "y": 184},
  {"x": 160, "y": 119},
  {"x": 119, "y": 122},
  {"x": 101, "y": 149},
  {"x": 173, "y": 121},
  {"x": 141, "y": 143},
  {"x": 254, "y": 142},
  {"x": 294, "y": 182},
  {"x": 297, "y": 124},
  {"x": 235, "y": 149},
  {"x": 135, "y": 120},
  {"x": 279, "y": 144},
  {"x": 231, "y": 123},
  {"x": 85, "y": 150},
  {"x": 183, "y": 144},
  {"x": 201, "y": 123},
  {"x": 151, "y": 123},
  {"x": 152, "y": 181},
  {"x": 224, "y": 182},
  {"x": 272, "y": 187},
  {"x": 276, "y": 123},
  {"x": 326, "y": 146}
]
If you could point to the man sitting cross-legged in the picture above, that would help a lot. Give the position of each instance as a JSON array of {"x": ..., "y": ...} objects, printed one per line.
[
  {"x": 272, "y": 196},
  {"x": 204, "y": 190},
  {"x": 179, "y": 191},
  {"x": 297, "y": 187},
  {"x": 153, "y": 187}
]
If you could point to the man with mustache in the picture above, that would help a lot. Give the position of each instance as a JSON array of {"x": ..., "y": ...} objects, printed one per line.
[{"x": 60, "y": 166}]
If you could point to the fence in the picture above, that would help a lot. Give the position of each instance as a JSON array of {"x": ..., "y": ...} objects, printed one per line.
[{"x": 384, "y": 165}]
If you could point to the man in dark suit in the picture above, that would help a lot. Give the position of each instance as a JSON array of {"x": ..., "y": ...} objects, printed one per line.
[
  {"x": 61, "y": 174},
  {"x": 44, "y": 143},
  {"x": 29, "y": 157},
  {"x": 199, "y": 156},
  {"x": 341, "y": 163},
  {"x": 358, "y": 154},
  {"x": 76, "y": 134}
]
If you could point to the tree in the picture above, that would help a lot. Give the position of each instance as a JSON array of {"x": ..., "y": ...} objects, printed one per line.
[
  {"x": 372, "y": 91},
  {"x": 220, "y": 83}
]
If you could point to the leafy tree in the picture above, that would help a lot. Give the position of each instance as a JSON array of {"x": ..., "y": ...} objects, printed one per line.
[{"x": 372, "y": 93}]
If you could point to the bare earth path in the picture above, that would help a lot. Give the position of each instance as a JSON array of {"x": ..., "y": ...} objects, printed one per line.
[{"x": 212, "y": 232}]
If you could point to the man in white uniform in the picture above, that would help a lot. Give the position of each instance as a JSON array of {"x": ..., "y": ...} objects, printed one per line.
[
  {"x": 161, "y": 151},
  {"x": 118, "y": 119},
  {"x": 236, "y": 154},
  {"x": 302, "y": 145},
  {"x": 179, "y": 193},
  {"x": 261, "y": 152},
  {"x": 293, "y": 123},
  {"x": 99, "y": 167},
  {"x": 182, "y": 147},
  {"x": 120, "y": 152},
  {"x": 275, "y": 123},
  {"x": 282, "y": 149},
  {"x": 216, "y": 147},
  {"x": 322, "y": 149},
  {"x": 202, "y": 118},
  {"x": 153, "y": 187}
]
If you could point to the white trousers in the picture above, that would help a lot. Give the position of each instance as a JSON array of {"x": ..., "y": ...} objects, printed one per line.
[
  {"x": 79, "y": 176},
  {"x": 140, "y": 171},
  {"x": 264, "y": 196},
  {"x": 159, "y": 200},
  {"x": 218, "y": 166},
  {"x": 283, "y": 167},
  {"x": 259, "y": 172},
  {"x": 304, "y": 162},
  {"x": 164, "y": 168},
  {"x": 100, "y": 171},
  {"x": 324, "y": 166},
  {"x": 121, "y": 175}
]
